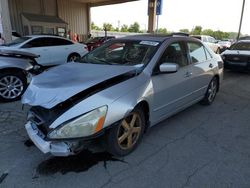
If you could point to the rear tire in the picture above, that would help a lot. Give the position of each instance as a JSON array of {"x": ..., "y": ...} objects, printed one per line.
[
  {"x": 73, "y": 57},
  {"x": 125, "y": 137},
  {"x": 12, "y": 85},
  {"x": 211, "y": 92}
]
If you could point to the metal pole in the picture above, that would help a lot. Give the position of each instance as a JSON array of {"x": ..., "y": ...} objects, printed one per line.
[
  {"x": 157, "y": 28},
  {"x": 241, "y": 18}
]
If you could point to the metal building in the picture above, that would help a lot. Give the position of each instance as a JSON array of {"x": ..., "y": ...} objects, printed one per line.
[{"x": 54, "y": 16}]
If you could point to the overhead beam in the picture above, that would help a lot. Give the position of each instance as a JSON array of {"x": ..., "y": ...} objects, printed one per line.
[{"x": 110, "y": 2}]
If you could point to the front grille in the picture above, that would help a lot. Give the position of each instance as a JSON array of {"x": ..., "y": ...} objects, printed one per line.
[{"x": 43, "y": 118}]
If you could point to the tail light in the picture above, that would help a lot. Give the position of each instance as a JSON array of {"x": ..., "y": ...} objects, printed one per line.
[{"x": 220, "y": 64}]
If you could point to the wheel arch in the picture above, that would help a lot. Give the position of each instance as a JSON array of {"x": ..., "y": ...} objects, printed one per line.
[
  {"x": 14, "y": 69},
  {"x": 73, "y": 53},
  {"x": 144, "y": 105}
]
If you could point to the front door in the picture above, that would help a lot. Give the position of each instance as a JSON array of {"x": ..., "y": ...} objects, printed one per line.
[{"x": 172, "y": 91}]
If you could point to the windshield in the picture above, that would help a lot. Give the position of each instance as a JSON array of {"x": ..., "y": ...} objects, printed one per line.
[
  {"x": 17, "y": 41},
  {"x": 125, "y": 52},
  {"x": 241, "y": 46}
]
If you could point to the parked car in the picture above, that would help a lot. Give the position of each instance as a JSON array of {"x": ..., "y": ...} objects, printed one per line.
[
  {"x": 97, "y": 41},
  {"x": 210, "y": 41},
  {"x": 225, "y": 45},
  {"x": 15, "y": 35},
  {"x": 245, "y": 38},
  {"x": 15, "y": 69},
  {"x": 52, "y": 50},
  {"x": 119, "y": 90},
  {"x": 237, "y": 57}
]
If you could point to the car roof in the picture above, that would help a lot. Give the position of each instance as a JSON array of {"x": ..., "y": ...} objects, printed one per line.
[
  {"x": 243, "y": 41},
  {"x": 47, "y": 36},
  {"x": 155, "y": 37}
]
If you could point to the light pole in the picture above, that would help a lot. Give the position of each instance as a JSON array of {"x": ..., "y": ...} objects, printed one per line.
[{"x": 241, "y": 18}]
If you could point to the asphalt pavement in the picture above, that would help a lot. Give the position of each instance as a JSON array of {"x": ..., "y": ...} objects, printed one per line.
[{"x": 203, "y": 146}]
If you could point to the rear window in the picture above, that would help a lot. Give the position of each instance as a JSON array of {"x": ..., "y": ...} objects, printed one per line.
[{"x": 241, "y": 46}]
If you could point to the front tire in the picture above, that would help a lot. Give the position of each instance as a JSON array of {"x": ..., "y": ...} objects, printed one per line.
[
  {"x": 12, "y": 85},
  {"x": 211, "y": 92},
  {"x": 125, "y": 137}
]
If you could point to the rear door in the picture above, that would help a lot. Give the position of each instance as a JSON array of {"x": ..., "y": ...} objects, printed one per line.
[
  {"x": 203, "y": 64},
  {"x": 61, "y": 49},
  {"x": 172, "y": 91}
]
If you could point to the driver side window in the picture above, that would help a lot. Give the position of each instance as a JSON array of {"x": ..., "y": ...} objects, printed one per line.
[{"x": 174, "y": 53}]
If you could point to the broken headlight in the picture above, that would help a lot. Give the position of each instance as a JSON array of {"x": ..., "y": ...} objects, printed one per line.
[{"x": 85, "y": 125}]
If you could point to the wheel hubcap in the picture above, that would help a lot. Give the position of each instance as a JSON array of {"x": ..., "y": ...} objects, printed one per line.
[
  {"x": 73, "y": 58},
  {"x": 129, "y": 131},
  {"x": 212, "y": 91},
  {"x": 10, "y": 87}
]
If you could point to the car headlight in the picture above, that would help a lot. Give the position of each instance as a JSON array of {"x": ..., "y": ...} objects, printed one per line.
[{"x": 85, "y": 125}]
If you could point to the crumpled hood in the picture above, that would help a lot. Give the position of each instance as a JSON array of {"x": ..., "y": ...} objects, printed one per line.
[{"x": 60, "y": 83}]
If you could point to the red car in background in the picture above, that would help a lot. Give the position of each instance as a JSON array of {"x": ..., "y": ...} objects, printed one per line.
[{"x": 97, "y": 41}]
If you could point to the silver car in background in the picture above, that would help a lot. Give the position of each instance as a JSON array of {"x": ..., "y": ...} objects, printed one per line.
[{"x": 119, "y": 90}]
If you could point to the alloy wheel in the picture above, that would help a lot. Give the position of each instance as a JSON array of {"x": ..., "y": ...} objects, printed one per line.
[
  {"x": 11, "y": 87},
  {"x": 129, "y": 131},
  {"x": 212, "y": 90}
]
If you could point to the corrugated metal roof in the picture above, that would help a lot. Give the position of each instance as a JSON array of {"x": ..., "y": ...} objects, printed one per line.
[{"x": 43, "y": 18}]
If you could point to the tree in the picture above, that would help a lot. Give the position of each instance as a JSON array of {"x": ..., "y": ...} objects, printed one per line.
[
  {"x": 162, "y": 31},
  {"x": 209, "y": 32},
  {"x": 108, "y": 26},
  {"x": 124, "y": 28},
  {"x": 232, "y": 35},
  {"x": 184, "y": 30},
  {"x": 95, "y": 27},
  {"x": 134, "y": 28},
  {"x": 197, "y": 30},
  {"x": 116, "y": 29}
]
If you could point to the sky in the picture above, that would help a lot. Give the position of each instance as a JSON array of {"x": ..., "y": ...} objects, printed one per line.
[{"x": 221, "y": 15}]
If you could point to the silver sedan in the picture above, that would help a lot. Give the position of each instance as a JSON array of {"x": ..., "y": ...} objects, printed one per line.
[
  {"x": 15, "y": 70},
  {"x": 119, "y": 90}
]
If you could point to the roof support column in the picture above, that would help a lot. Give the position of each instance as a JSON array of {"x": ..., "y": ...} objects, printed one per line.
[
  {"x": 5, "y": 24},
  {"x": 151, "y": 15},
  {"x": 88, "y": 19}
]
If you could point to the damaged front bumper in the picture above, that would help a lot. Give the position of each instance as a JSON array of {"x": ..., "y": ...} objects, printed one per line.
[{"x": 55, "y": 148}]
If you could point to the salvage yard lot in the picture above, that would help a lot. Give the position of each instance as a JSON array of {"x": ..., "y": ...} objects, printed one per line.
[{"x": 200, "y": 147}]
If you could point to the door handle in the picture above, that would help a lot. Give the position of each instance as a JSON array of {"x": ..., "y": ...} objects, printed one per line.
[
  {"x": 211, "y": 65},
  {"x": 188, "y": 74}
]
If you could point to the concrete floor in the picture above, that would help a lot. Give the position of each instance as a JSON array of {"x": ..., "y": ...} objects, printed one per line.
[{"x": 203, "y": 146}]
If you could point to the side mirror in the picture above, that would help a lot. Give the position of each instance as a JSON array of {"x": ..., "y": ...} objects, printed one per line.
[{"x": 169, "y": 68}]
